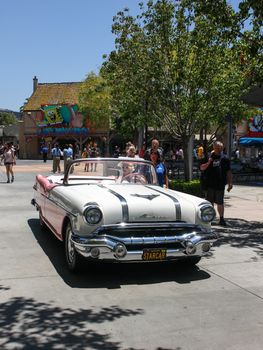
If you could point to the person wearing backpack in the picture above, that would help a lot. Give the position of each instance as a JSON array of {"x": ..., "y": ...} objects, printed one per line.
[{"x": 155, "y": 155}]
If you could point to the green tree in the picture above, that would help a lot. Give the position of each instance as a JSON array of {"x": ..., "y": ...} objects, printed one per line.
[
  {"x": 250, "y": 43},
  {"x": 7, "y": 118},
  {"x": 127, "y": 71},
  {"x": 95, "y": 102},
  {"x": 176, "y": 66},
  {"x": 94, "y": 99}
]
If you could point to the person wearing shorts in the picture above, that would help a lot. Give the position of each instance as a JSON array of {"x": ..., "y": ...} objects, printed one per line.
[
  {"x": 9, "y": 160},
  {"x": 217, "y": 173}
]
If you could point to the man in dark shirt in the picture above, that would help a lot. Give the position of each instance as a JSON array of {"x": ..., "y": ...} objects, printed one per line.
[
  {"x": 217, "y": 173},
  {"x": 155, "y": 153},
  {"x": 44, "y": 151}
]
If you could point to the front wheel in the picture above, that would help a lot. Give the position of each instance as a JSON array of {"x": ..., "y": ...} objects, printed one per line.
[
  {"x": 72, "y": 256},
  {"x": 190, "y": 261}
]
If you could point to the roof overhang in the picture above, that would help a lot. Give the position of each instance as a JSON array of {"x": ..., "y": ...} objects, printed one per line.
[{"x": 251, "y": 141}]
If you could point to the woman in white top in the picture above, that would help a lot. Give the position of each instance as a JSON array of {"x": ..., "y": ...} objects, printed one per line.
[
  {"x": 131, "y": 152},
  {"x": 9, "y": 161}
]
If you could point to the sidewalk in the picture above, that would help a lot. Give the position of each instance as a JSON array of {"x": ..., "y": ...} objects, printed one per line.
[{"x": 245, "y": 202}]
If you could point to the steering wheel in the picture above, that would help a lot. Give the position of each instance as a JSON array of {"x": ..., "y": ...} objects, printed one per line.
[{"x": 135, "y": 178}]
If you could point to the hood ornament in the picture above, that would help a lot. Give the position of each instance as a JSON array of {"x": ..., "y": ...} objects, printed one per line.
[{"x": 146, "y": 196}]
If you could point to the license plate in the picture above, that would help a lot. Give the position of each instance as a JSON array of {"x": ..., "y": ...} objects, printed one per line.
[{"x": 154, "y": 254}]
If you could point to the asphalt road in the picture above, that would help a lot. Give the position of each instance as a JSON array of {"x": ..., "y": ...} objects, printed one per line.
[{"x": 217, "y": 305}]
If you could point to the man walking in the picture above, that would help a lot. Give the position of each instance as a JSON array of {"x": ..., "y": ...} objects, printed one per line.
[
  {"x": 44, "y": 151},
  {"x": 217, "y": 173},
  {"x": 56, "y": 154},
  {"x": 67, "y": 155},
  {"x": 94, "y": 153}
]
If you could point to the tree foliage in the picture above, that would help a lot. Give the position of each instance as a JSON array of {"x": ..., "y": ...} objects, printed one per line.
[
  {"x": 94, "y": 100},
  {"x": 177, "y": 65},
  {"x": 181, "y": 65},
  {"x": 250, "y": 43},
  {"x": 7, "y": 118},
  {"x": 128, "y": 73}
]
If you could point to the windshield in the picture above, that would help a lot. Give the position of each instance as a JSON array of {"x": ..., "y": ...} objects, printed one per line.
[{"x": 111, "y": 170}]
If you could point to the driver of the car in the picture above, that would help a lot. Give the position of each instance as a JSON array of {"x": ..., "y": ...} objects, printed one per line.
[
  {"x": 127, "y": 169},
  {"x": 130, "y": 173}
]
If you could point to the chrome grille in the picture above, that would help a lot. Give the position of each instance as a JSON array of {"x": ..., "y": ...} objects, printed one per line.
[{"x": 147, "y": 231}]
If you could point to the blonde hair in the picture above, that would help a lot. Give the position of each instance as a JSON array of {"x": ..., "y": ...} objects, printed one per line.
[{"x": 132, "y": 148}]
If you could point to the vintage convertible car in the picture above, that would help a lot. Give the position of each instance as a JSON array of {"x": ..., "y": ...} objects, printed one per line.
[{"x": 114, "y": 209}]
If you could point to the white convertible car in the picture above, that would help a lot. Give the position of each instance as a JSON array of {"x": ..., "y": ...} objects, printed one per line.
[{"x": 114, "y": 209}]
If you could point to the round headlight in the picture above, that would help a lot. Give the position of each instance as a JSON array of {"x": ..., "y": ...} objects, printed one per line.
[
  {"x": 93, "y": 215},
  {"x": 207, "y": 213}
]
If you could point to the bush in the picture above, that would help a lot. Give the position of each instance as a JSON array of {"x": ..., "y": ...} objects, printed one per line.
[{"x": 191, "y": 187}]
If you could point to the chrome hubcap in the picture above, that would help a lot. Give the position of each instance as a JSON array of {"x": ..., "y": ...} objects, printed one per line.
[{"x": 71, "y": 251}]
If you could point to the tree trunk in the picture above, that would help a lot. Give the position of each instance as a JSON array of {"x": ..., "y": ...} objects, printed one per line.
[{"x": 187, "y": 143}]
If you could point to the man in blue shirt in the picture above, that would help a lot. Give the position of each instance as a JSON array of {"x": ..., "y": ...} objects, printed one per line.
[
  {"x": 68, "y": 155},
  {"x": 44, "y": 151},
  {"x": 56, "y": 154}
]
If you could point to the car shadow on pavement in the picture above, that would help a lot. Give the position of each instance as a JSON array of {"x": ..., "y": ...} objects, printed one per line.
[
  {"x": 112, "y": 275},
  {"x": 241, "y": 233}
]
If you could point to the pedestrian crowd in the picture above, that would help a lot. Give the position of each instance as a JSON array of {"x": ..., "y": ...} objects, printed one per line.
[{"x": 69, "y": 152}]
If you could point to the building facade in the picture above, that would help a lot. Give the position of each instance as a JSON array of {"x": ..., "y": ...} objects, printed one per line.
[{"x": 51, "y": 115}]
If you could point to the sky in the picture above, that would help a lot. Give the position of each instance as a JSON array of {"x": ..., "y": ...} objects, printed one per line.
[{"x": 54, "y": 40}]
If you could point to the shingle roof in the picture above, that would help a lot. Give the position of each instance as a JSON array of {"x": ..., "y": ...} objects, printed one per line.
[{"x": 53, "y": 94}]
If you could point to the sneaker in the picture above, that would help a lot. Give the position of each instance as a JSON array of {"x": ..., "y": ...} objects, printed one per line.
[{"x": 222, "y": 222}]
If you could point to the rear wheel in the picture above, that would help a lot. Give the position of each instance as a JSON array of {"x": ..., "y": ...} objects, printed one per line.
[
  {"x": 41, "y": 222},
  {"x": 72, "y": 256}
]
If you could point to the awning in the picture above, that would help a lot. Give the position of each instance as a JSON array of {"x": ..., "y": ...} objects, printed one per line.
[{"x": 251, "y": 141}]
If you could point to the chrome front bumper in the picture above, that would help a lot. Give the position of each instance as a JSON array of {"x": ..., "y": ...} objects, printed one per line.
[{"x": 107, "y": 247}]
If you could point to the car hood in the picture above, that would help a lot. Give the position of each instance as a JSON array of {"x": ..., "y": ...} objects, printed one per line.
[{"x": 133, "y": 203}]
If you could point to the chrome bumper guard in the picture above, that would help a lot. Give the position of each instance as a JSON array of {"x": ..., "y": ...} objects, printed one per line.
[{"x": 196, "y": 242}]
